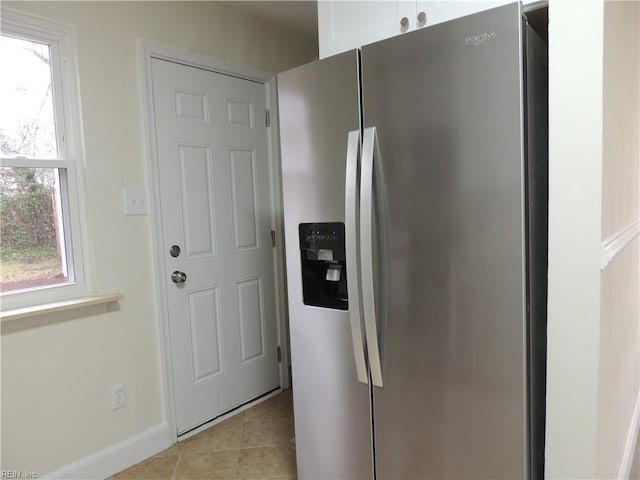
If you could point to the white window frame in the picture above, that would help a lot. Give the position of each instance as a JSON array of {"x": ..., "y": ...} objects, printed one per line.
[{"x": 70, "y": 149}]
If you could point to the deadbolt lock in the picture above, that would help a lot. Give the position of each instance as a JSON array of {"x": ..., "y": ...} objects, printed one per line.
[{"x": 174, "y": 251}]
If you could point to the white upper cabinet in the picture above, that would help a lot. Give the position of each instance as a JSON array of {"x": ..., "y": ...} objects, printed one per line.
[{"x": 345, "y": 24}]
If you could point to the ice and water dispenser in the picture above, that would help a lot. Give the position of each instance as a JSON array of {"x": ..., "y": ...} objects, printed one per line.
[{"x": 324, "y": 274}]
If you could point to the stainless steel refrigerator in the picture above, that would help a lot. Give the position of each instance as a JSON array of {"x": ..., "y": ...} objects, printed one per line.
[{"x": 414, "y": 184}]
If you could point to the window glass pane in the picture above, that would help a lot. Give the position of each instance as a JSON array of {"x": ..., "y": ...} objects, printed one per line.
[
  {"x": 27, "y": 126},
  {"x": 32, "y": 246}
]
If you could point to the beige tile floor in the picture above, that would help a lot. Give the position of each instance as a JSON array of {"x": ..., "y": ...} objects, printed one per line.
[{"x": 254, "y": 444}]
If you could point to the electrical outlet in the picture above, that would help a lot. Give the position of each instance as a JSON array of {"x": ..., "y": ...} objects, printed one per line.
[{"x": 118, "y": 396}]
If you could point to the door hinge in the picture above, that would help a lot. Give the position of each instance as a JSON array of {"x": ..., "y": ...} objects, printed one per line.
[
  {"x": 279, "y": 353},
  {"x": 267, "y": 118},
  {"x": 273, "y": 238}
]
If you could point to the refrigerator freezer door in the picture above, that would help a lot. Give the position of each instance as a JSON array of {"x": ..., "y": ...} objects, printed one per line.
[
  {"x": 319, "y": 106},
  {"x": 446, "y": 102}
]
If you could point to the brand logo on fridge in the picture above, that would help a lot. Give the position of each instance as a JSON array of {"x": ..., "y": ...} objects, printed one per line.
[{"x": 476, "y": 40}]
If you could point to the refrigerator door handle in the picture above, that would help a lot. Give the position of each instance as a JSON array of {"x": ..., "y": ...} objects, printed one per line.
[
  {"x": 351, "y": 244},
  {"x": 370, "y": 152}
]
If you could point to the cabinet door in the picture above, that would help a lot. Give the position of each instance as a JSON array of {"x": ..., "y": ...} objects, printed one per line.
[
  {"x": 343, "y": 25},
  {"x": 444, "y": 10}
]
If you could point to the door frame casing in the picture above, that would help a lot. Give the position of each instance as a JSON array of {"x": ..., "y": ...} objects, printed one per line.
[{"x": 149, "y": 50}]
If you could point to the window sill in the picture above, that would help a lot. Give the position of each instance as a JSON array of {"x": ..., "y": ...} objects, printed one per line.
[{"x": 39, "y": 310}]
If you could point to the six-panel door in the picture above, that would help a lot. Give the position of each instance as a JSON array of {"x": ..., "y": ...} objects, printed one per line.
[{"x": 215, "y": 205}]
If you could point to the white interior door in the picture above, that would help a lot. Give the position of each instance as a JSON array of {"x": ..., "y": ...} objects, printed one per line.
[{"x": 215, "y": 207}]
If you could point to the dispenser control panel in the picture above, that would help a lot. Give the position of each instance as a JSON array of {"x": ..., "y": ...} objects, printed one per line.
[{"x": 317, "y": 236}]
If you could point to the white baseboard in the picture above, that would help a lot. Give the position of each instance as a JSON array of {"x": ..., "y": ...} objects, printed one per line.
[
  {"x": 119, "y": 456},
  {"x": 630, "y": 444}
]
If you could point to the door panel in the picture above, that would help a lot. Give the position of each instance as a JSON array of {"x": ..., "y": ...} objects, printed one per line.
[
  {"x": 447, "y": 105},
  {"x": 243, "y": 199},
  {"x": 215, "y": 204},
  {"x": 251, "y": 319},
  {"x": 204, "y": 331},
  {"x": 196, "y": 199}
]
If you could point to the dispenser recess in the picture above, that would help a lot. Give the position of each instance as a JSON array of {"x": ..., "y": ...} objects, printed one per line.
[{"x": 324, "y": 274}]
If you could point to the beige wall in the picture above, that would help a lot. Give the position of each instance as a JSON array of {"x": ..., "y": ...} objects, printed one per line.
[
  {"x": 575, "y": 185},
  {"x": 619, "y": 323},
  {"x": 619, "y": 359},
  {"x": 56, "y": 378},
  {"x": 621, "y": 139},
  {"x": 593, "y": 331}
]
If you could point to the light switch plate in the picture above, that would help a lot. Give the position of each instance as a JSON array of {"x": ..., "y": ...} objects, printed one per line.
[{"x": 136, "y": 201}]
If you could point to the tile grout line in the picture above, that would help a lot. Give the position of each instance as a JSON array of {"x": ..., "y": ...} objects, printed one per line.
[
  {"x": 175, "y": 467},
  {"x": 237, "y": 471}
]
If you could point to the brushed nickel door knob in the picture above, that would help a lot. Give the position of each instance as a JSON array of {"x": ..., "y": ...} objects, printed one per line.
[{"x": 178, "y": 277}]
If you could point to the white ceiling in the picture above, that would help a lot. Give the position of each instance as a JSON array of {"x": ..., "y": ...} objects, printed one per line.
[{"x": 299, "y": 16}]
